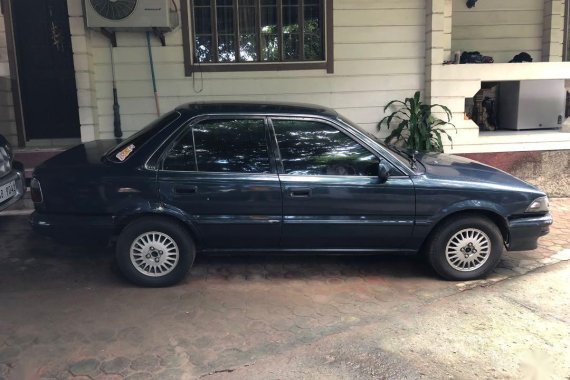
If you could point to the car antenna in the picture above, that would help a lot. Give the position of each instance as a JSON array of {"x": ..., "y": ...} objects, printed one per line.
[{"x": 414, "y": 159}]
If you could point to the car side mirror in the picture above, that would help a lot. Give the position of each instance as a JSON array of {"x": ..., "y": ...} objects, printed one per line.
[{"x": 383, "y": 171}]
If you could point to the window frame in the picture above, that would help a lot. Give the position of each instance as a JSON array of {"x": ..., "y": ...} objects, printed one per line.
[
  {"x": 196, "y": 121},
  {"x": 110, "y": 155},
  {"x": 347, "y": 133},
  {"x": 188, "y": 41}
]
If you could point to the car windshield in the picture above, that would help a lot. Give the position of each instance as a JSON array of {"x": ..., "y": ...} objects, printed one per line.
[
  {"x": 126, "y": 148},
  {"x": 398, "y": 153}
]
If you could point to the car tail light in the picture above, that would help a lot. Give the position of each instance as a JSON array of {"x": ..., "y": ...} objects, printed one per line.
[{"x": 36, "y": 191}]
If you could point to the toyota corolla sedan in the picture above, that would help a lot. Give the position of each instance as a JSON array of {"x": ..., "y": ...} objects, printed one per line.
[
  {"x": 213, "y": 178},
  {"x": 11, "y": 176}
]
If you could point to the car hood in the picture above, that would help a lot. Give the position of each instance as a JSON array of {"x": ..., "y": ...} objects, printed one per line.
[
  {"x": 460, "y": 169},
  {"x": 89, "y": 154}
]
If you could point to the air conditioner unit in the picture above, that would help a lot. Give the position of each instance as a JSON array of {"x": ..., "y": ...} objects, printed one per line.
[{"x": 131, "y": 15}]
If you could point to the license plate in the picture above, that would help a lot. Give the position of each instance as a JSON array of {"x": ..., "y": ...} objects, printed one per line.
[{"x": 7, "y": 191}]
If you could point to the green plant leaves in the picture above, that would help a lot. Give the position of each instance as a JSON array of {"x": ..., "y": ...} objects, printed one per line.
[{"x": 418, "y": 128}]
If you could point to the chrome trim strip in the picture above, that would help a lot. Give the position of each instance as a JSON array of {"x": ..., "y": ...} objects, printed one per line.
[
  {"x": 289, "y": 219},
  {"x": 236, "y": 219},
  {"x": 294, "y": 251},
  {"x": 128, "y": 190}
]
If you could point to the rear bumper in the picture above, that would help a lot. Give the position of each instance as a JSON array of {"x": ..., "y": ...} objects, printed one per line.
[
  {"x": 74, "y": 228},
  {"x": 18, "y": 177},
  {"x": 524, "y": 232}
]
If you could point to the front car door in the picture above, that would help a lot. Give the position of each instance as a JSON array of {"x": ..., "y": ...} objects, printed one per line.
[
  {"x": 219, "y": 172},
  {"x": 332, "y": 196}
]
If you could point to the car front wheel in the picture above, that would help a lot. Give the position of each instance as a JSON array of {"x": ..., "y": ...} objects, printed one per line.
[
  {"x": 154, "y": 252},
  {"x": 465, "y": 248}
]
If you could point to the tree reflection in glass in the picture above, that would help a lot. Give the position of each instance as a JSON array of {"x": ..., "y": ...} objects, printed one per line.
[
  {"x": 221, "y": 146},
  {"x": 226, "y": 31},
  {"x": 254, "y": 29},
  {"x": 269, "y": 31},
  {"x": 247, "y": 31},
  {"x": 313, "y": 148},
  {"x": 291, "y": 30},
  {"x": 313, "y": 41},
  {"x": 203, "y": 30}
]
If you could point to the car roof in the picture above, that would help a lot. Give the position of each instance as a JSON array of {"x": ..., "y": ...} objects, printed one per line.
[{"x": 197, "y": 108}]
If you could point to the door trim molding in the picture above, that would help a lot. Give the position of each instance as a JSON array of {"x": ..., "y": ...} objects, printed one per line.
[{"x": 14, "y": 72}]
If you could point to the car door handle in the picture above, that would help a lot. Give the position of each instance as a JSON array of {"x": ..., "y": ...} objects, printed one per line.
[
  {"x": 185, "y": 190},
  {"x": 300, "y": 192}
]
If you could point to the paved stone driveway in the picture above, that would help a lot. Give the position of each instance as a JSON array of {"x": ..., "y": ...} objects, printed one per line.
[{"x": 66, "y": 313}]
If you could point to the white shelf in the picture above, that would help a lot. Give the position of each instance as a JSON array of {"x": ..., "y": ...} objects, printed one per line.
[{"x": 487, "y": 72}]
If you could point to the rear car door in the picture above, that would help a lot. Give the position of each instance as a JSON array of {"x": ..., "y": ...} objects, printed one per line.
[
  {"x": 332, "y": 196},
  {"x": 219, "y": 172}
]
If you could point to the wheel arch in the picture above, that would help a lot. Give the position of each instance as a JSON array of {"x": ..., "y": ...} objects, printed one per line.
[
  {"x": 495, "y": 217},
  {"x": 178, "y": 219}
]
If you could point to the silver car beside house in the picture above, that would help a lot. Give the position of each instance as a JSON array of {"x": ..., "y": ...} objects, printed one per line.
[{"x": 11, "y": 176}]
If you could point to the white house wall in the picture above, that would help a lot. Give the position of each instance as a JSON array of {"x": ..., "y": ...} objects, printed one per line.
[
  {"x": 379, "y": 56},
  {"x": 7, "y": 116},
  {"x": 380, "y": 48},
  {"x": 499, "y": 28}
]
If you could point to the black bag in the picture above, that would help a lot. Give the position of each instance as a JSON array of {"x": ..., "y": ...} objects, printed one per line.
[
  {"x": 521, "y": 57},
  {"x": 471, "y": 57},
  {"x": 474, "y": 57}
]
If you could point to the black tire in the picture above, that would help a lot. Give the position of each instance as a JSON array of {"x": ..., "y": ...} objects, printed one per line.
[
  {"x": 177, "y": 233},
  {"x": 436, "y": 247}
]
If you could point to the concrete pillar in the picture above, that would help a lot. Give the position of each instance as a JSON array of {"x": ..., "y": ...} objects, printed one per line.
[
  {"x": 447, "y": 29},
  {"x": 553, "y": 32},
  {"x": 435, "y": 43},
  {"x": 84, "y": 72}
]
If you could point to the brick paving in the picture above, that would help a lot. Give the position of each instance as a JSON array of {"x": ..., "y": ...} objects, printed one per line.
[{"x": 65, "y": 313}]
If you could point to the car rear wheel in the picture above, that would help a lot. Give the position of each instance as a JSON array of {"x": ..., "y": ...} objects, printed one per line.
[
  {"x": 154, "y": 252},
  {"x": 465, "y": 248}
]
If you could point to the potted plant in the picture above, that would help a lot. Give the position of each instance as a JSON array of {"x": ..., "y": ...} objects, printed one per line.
[{"x": 417, "y": 128}]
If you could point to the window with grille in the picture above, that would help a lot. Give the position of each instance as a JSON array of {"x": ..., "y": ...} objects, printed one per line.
[{"x": 233, "y": 35}]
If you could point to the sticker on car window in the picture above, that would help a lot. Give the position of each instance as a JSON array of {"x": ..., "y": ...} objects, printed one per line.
[{"x": 124, "y": 153}]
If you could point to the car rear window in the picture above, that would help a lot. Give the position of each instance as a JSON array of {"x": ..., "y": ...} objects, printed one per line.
[
  {"x": 221, "y": 146},
  {"x": 131, "y": 144}
]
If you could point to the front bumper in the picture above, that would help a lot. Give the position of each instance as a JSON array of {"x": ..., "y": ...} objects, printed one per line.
[
  {"x": 74, "y": 228},
  {"x": 18, "y": 177},
  {"x": 524, "y": 232}
]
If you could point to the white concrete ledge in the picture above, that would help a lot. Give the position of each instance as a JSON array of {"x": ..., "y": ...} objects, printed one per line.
[
  {"x": 503, "y": 71},
  {"x": 515, "y": 141}
]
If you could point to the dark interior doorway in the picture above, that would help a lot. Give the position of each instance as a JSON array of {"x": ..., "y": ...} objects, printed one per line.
[{"x": 45, "y": 69}]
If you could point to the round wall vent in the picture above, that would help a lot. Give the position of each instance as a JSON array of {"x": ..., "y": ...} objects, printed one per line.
[{"x": 114, "y": 9}]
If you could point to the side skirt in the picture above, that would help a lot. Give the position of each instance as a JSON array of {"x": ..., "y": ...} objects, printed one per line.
[{"x": 292, "y": 251}]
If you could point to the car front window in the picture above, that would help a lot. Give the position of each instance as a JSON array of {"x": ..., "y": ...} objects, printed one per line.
[
  {"x": 398, "y": 153},
  {"x": 315, "y": 148}
]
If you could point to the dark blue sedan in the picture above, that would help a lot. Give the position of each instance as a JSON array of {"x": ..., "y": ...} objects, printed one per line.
[{"x": 215, "y": 178}]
